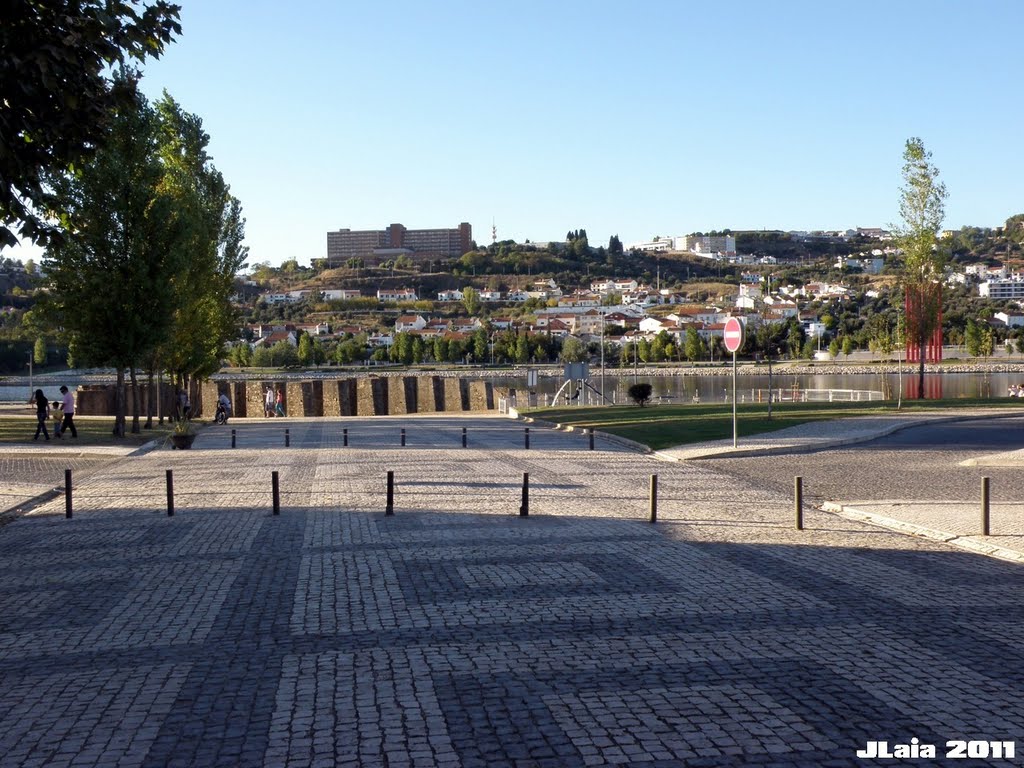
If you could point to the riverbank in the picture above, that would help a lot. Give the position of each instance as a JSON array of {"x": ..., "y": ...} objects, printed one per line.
[{"x": 550, "y": 370}]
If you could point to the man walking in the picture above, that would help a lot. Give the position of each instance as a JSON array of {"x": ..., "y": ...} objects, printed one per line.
[{"x": 68, "y": 407}]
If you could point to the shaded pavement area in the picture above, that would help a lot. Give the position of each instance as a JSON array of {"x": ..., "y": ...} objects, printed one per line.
[{"x": 458, "y": 633}]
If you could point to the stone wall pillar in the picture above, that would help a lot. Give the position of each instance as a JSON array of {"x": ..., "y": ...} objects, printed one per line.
[
  {"x": 429, "y": 394},
  {"x": 456, "y": 395},
  {"x": 481, "y": 396}
]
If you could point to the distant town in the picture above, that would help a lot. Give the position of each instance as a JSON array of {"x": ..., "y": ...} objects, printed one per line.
[{"x": 411, "y": 296}]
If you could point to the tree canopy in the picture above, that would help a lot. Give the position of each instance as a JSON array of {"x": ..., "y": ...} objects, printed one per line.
[{"x": 59, "y": 94}]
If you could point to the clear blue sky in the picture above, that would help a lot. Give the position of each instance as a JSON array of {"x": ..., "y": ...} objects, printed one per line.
[{"x": 637, "y": 119}]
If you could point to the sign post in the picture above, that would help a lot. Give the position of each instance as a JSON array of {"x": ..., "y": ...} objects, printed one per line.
[{"x": 733, "y": 341}]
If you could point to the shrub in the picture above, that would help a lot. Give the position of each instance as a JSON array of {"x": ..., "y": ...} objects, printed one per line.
[{"x": 639, "y": 393}]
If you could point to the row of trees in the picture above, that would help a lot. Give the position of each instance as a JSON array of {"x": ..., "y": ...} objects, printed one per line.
[{"x": 155, "y": 240}]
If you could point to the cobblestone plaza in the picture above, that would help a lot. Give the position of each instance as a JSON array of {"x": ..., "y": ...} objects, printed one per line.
[{"x": 458, "y": 633}]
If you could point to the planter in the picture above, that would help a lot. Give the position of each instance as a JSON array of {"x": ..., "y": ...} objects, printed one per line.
[{"x": 182, "y": 442}]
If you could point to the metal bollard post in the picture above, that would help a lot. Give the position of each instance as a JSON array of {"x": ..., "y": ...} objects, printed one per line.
[
  {"x": 524, "y": 507},
  {"x": 591, "y": 436},
  {"x": 526, "y": 437},
  {"x": 276, "y": 490},
  {"x": 463, "y": 437},
  {"x": 798, "y": 501},
  {"x": 403, "y": 436},
  {"x": 287, "y": 438},
  {"x": 344, "y": 437},
  {"x": 232, "y": 438},
  {"x": 390, "y": 508},
  {"x": 984, "y": 506},
  {"x": 67, "y": 493},
  {"x": 170, "y": 493},
  {"x": 654, "y": 498}
]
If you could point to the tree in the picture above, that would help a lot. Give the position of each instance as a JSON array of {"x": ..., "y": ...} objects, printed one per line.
[
  {"x": 112, "y": 283},
  {"x": 573, "y": 350},
  {"x": 640, "y": 393},
  {"x": 59, "y": 95},
  {"x": 305, "y": 350},
  {"x": 39, "y": 351},
  {"x": 847, "y": 345},
  {"x": 833, "y": 348},
  {"x": 693, "y": 346},
  {"x": 470, "y": 300},
  {"x": 922, "y": 209}
]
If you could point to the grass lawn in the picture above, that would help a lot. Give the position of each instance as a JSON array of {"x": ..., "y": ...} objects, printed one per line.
[
  {"x": 92, "y": 431},
  {"x": 663, "y": 426}
]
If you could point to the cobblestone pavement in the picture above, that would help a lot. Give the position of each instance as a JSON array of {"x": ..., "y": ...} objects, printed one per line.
[{"x": 457, "y": 633}]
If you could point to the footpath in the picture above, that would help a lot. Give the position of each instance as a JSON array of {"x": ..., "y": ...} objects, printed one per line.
[{"x": 954, "y": 523}]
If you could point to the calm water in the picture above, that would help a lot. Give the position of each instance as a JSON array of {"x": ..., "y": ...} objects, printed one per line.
[
  {"x": 707, "y": 388},
  {"x": 718, "y": 387}
]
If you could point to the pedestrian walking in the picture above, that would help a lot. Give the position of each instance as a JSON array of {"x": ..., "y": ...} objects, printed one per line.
[
  {"x": 68, "y": 407},
  {"x": 42, "y": 414},
  {"x": 268, "y": 403},
  {"x": 279, "y": 402},
  {"x": 184, "y": 406}
]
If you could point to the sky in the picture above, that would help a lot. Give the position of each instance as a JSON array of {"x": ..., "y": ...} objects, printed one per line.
[{"x": 654, "y": 117}]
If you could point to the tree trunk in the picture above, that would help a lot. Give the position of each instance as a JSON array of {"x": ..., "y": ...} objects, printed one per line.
[
  {"x": 119, "y": 404},
  {"x": 135, "y": 400},
  {"x": 147, "y": 401},
  {"x": 920, "y": 371},
  {"x": 159, "y": 396}
]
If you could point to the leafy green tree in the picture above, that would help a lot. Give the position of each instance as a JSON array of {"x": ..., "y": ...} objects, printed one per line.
[
  {"x": 922, "y": 209},
  {"x": 418, "y": 350},
  {"x": 522, "y": 349},
  {"x": 59, "y": 95},
  {"x": 973, "y": 339},
  {"x": 847, "y": 345},
  {"x": 471, "y": 300},
  {"x": 319, "y": 353},
  {"x": 694, "y": 346},
  {"x": 213, "y": 252},
  {"x": 833, "y": 348},
  {"x": 112, "y": 284},
  {"x": 305, "y": 350},
  {"x": 480, "y": 345},
  {"x": 573, "y": 350},
  {"x": 39, "y": 351}
]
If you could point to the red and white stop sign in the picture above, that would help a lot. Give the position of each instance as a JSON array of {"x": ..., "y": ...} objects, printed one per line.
[{"x": 733, "y": 334}]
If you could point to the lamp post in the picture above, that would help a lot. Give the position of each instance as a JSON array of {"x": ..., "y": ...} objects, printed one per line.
[{"x": 30, "y": 374}]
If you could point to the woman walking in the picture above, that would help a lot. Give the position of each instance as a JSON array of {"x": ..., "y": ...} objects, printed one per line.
[
  {"x": 42, "y": 414},
  {"x": 279, "y": 403}
]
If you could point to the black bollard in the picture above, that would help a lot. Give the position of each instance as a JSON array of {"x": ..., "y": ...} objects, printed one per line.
[
  {"x": 344, "y": 437},
  {"x": 232, "y": 438},
  {"x": 654, "y": 498},
  {"x": 67, "y": 493},
  {"x": 798, "y": 501},
  {"x": 403, "y": 437},
  {"x": 591, "y": 435},
  {"x": 984, "y": 506},
  {"x": 390, "y": 508},
  {"x": 524, "y": 507},
  {"x": 276, "y": 491},
  {"x": 463, "y": 437},
  {"x": 170, "y": 493},
  {"x": 526, "y": 437},
  {"x": 287, "y": 438}
]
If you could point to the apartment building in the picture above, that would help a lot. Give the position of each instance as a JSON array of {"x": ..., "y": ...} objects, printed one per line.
[{"x": 380, "y": 244}]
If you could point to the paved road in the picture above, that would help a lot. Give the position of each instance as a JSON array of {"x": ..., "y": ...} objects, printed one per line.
[
  {"x": 920, "y": 463},
  {"x": 457, "y": 633}
]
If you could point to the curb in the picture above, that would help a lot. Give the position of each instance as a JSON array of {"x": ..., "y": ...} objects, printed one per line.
[
  {"x": 969, "y": 543},
  {"x": 615, "y": 439}
]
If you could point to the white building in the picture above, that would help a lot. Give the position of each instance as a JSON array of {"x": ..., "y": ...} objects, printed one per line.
[
  {"x": 392, "y": 294},
  {"x": 1004, "y": 288}
]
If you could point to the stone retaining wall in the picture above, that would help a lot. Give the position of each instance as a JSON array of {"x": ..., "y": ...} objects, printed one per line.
[{"x": 363, "y": 396}]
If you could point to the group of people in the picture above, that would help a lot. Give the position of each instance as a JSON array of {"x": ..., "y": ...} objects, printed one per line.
[
  {"x": 273, "y": 403},
  {"x": 63, "y": 411},
  {"x": 1016, "y": 390}
]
